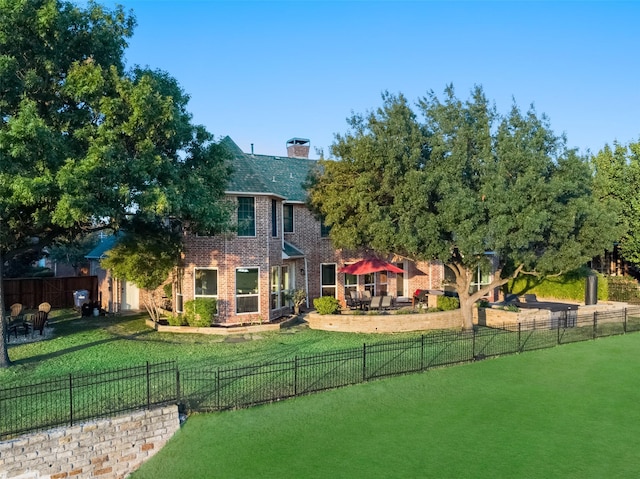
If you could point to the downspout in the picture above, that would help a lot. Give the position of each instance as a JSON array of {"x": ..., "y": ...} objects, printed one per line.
[{"x": 306, "y": 278}]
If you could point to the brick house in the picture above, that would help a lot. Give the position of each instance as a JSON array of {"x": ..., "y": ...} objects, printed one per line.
[{"x": 279, "y": 247}]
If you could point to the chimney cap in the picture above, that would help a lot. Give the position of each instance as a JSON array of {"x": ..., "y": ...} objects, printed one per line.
[{"x": 298, "y": 141}]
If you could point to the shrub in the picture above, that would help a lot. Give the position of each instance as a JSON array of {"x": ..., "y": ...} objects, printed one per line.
[
  {"x": 570, "y": 285},
  {"x": 483, "y": 303},
  {"x": 405, "y": 311},
  {"x": 176, "y": 320},
  {"x": 167, "y": 289},
  {"x": 326, "y": 305},
  {"x": 200, "y": 312},
  {"x": 447, "y": 303}
]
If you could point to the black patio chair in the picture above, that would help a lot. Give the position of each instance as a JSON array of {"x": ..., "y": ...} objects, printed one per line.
[{"x": 38, "y": 321}]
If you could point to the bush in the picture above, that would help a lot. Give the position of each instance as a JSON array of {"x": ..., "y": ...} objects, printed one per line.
[
  {"x": 447, "y": 303},
  {"x": 405, "y": 311},
  {"x": 176, "y": 320},
  {"x": 200, "y": 312},
  {"x": 326, "y": 305},
  {"x": 167, "y": 289},
  {"x": 571, "y": 285}
]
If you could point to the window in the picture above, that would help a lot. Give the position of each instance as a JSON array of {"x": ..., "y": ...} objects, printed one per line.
[
  {"x": 285, "y": 284},
  {"x": 370, "y": 283},
  {"x": 482, "y": 277},
  {"x": 247, "y": 291},
  {"x": 288, "y": 218},
  {"x": 382, "y": 283},
  {"x": 274, "y": 298},
  {"x": 206, "y": 282},
  {"x": 401, "y": 289},
  {"x": 324, "y": 229},
  {"x": 274, "y": 218},
  {"x": 328, "y": 279},
  {"x": 246, "y": 216},
  {"x": 280, "y": 286},
  {"x": 350, "y": 284}
]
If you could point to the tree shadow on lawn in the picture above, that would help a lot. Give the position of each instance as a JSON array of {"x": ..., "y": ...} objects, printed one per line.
[{"x": 61, "y": 352}]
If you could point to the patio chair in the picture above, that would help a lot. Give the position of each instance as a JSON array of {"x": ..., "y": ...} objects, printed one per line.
[
  {"x": 38, "y": 321},
  {"x": 46, "y": 307},
  {"x": 352, "y": 300},
  {"x": 385, "y": 304},
  {"x": 375, "y": 302},
  {"x": 16, "y": 312},
  {"x": 15, "y": 320}
]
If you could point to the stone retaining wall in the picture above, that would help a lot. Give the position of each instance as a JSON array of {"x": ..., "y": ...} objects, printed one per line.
[
  {"x": 106, "y": 448},
  {"x": 385, "y": 323}
]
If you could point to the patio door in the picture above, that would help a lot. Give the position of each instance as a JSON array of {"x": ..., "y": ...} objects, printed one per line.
[
  {"x": 402, "y": 280},
  {"x": 130, "y": 297}
]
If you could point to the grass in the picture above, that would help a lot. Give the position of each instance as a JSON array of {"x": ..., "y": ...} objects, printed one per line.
[
  {"x": 83, "y": 345},
  {"x": 569, "y": 412}
]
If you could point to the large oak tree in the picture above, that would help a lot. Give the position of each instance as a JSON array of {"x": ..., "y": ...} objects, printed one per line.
[
  {"x": 456, "y": 181},
  {"x": 86, "y": 144}
]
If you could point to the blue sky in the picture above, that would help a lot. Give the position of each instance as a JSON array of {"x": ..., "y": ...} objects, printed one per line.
[{"x": 263, "y": 72}]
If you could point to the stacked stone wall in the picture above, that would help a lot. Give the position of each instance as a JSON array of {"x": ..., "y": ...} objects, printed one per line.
[{"x": 106, "y": 448}]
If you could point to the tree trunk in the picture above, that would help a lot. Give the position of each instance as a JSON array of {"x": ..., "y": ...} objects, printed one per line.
[
  {"x": 466, "y": 308},
  {"x": 4, "y": 353}
]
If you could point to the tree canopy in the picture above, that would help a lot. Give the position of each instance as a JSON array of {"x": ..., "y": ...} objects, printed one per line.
[
  {"x": 617, "y": 175},
  {"x": 86, "y": 144},
  {"x": 456, "y": 181}
]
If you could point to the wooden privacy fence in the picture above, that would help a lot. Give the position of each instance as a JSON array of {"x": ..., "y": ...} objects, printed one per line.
[{"x": 56, "y": 291}]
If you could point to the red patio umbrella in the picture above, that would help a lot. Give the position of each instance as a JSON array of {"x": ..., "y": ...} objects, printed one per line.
[{"x": 366, "y": 266}]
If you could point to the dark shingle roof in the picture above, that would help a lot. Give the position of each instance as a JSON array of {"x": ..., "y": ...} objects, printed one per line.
[
  {"x": 277, "y": 175},
  {"x": 105, "y": 245}
]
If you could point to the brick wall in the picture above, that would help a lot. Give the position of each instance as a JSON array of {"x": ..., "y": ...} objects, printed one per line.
[
  {"x": 108, "y": 448},
  {"x": 228, "y": 252}
]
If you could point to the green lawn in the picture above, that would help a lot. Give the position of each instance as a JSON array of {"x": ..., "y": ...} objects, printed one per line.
[
  {"x": 83, "y": 345},
  {"x": 566, "y": 412}
]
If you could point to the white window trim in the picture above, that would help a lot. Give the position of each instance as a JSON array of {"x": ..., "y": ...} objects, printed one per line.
[
  {"x": 236, "y": 295},
  {"x": 194, "y": 283},
  {"x": 335, "y": 284},
  {"x": 255, "y": 217}
]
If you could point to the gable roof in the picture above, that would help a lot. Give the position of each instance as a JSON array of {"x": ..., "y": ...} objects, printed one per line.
[
  {"x": 265, "y": 174},
  {"x": 101, "y": 248}
]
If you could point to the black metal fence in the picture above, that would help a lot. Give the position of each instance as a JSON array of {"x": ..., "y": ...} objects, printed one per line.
[
  {"x": 65, "y": 401},
  {"x": 80, "y": 397}
]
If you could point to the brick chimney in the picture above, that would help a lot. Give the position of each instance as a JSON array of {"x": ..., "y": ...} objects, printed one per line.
[{"x": 298, "y": 148}]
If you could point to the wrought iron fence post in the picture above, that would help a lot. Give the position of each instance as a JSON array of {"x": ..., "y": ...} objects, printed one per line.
[
  {"x": 558, "y": 331},
  {"x": 422, "y": 352},
  {"x": 473, "y": 343},
  {"x": 625, "y": 320},
  {"x": 595, "y": 324},
  {"x": 177, "y": 384},
  {"x": 148, "y": 387},
  {"x": 70, "y": 400},
  {"x": 295, "y": 376},
  {"x": 519, "y": 337},
  {"x": 364, "y": 362},
  {"x": 218, "y": 389}
]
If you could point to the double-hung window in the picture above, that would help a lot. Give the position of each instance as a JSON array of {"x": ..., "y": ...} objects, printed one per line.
[
  {"x": 287, "y": 218},
  {"x": 247, "y": 290},
  {"x": 246, "y": 216},
  {"x": 328, "y": 279}
]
